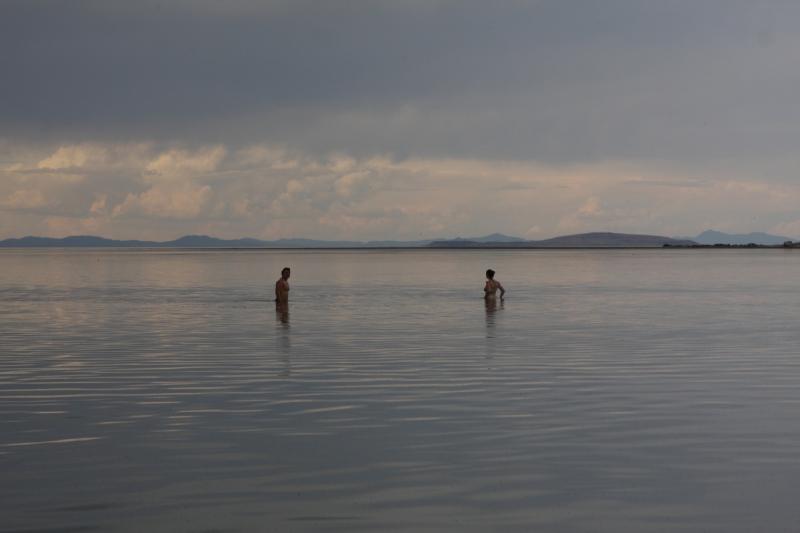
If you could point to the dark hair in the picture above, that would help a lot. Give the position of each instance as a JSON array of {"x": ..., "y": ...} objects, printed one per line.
[
  {"x": 490, "y": 274},
  {"x": 285, "y": 269}
]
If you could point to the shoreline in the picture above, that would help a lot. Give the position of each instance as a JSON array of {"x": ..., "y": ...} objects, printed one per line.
[{"x": 504, "y": 247}]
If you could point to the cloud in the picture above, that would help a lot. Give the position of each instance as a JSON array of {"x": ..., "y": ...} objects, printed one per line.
[
  {"x": 24, "y": 199},
  {"x": 682, "y": 183},
  {"x": 590, "y": 208},
  {"x": 182, "y": 201},
  {"x": 74, "y": 157},
  {"x": 176, "y": 164},
  {"x": 162, "y": 191},
  {"x": 99, "y": 206},
  {"x": 554, "y": 81},
  {"x": 57, "y": 226}
]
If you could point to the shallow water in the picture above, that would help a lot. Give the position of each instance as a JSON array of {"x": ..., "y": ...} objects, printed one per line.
[{"x": 612, "y": 391}]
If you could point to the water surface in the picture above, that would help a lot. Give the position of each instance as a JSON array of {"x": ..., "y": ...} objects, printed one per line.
[{"x": 612, "y": 391}]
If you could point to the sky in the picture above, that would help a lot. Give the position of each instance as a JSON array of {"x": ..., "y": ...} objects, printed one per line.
[{"x": 393, "y": 119}]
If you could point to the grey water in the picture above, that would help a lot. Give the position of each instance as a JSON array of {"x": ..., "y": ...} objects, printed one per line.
[{"x": 611, "y": 391}]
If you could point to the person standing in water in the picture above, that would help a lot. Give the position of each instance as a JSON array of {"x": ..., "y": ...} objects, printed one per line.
[
  {"x": 282, "y": 288},
  {"x": 490, "y": 290}
]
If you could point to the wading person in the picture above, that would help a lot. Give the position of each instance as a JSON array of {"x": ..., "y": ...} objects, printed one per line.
[
  {"x": 282, "y": 288},
  {"x": 490, "y": 289}
]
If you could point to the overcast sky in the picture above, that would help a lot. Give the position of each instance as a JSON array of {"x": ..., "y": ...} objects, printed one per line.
[{"x": 398, "y": 119}]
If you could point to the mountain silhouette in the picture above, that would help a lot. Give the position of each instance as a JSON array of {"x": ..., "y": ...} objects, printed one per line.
[
  {"x": 718, "y": 237},
  {"x": 205, "y": 241},
  {"x": 581, "y": 240}
]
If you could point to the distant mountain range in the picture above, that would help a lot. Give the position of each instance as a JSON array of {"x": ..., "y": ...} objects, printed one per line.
[
  {"x": 718, "y": 237},
  {"x": 198, "y": 241},
  {"x": 581, "y": 240},
  {"x": 204, "y": 241},
  {"x": 495, "y": 240}
]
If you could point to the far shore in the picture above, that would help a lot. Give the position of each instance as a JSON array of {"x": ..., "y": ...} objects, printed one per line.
[{"x": 504, "y": 247}]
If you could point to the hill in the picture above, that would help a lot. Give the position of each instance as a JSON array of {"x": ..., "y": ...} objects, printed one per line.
[
  {"x": 719, "y": 237},
  {"x": 581, "y": 240},
  {"x": 606, "y": 239},
  {"x": 77, "y": 241}
]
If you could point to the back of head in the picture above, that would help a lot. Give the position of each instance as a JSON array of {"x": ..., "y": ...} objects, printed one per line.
[{"x": 490, "y": 274}]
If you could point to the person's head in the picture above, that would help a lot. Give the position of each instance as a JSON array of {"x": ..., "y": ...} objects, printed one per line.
[
  {"x": 286, "y": 272},
  {"x": 490, "y": 274}
]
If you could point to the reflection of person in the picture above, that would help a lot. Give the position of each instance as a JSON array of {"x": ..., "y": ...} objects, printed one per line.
[
  {"x": 492, "y": 309},
  {"x": 490, "y": 290},
  {"x": 282, "y": 288},
  {"x": 282, "y": 312}
]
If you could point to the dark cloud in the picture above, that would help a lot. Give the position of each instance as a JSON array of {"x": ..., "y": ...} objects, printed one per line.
[{"x": 553, "y": 80}]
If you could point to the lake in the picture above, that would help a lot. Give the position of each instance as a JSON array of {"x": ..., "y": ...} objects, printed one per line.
[{"x": 611, "y": 391}]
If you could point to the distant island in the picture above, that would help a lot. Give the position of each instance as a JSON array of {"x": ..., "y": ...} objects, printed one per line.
[{"x": 708, "y": 239}]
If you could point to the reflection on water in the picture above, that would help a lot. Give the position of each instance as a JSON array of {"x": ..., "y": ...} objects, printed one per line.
[
  {"x": 282, "y": 312},
  {"x": 620, "y": 391},
  {"x": 284, "y": 337},
  {"x": 492, "y": 306}
]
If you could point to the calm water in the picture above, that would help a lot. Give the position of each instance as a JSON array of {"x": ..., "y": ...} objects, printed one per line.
[{"x": 612, "y": 391}]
